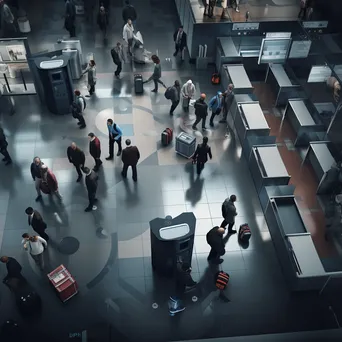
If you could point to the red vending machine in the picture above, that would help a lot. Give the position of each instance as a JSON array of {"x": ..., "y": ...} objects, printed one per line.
[{"x": 63, "y": 282}]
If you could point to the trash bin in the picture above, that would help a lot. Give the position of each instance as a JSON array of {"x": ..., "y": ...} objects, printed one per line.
[{"x": 24, "y": 24}]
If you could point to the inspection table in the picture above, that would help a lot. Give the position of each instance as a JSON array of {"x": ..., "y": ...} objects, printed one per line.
[{"x": 236, "y": 74}]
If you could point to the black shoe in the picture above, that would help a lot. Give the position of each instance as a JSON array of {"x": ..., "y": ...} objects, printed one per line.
[
  {"x": 8, "y": 162},
  {"x": 79, "y": 179},
  {"x": 88, "y": 95},
  {"x": 96, "y": 169},
  {"x": 88, "y": 209},
  {"x": 38, "y": 198},
  {"x": 154, "y": 91},
  {"x": 4, "y": 159},
  {"x": 194, "y": 127},
  {"x": 135, "y": 180},
  {"x": 220, "y": 261},
  {"x": 223, "y": 121},
  {"x": 83, "y": 126},
  {"x": 171, "y": 113},
  {"x": 211, "y": 124},
  {"x": 232, "y": 231},
  {"x": 109, "y": 158},
  {"x": 175, "y": 54},
  {"x": 79, "y": 123},
  {"x": 118, "y": 154},
  {"x": 123, "y": 175},
  {"x": 95, "y": 200},
  {"x": 204, "y": 128}
]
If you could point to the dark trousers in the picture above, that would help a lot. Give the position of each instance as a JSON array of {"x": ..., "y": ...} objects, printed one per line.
[
  {"x": 98, "y": 163},
  {"x": 78, "y": 169},
  {"x": 91, "y": 198},
  {"x": 111, "y": 146},
  {"x": 118, "y": 69},
  {"x": 72, "y": 30},
  {"x": 174, "y": 106},
  {"x": 177, "y": 49},
  {"x": 92, "y": 89},
  {"x": 213, "y": 256},
  {"x": 302, "y": 13},
  {"x": 80, "y": 119},
  {"x": 198, "y": 119},
  {"x": 134, "y": 171},
  {"x": 5, "y": 153},
  {"x": 226, "y": 109},
  {"x": 230, "y": 225},
  {"x": 213, "y": 114},
  {"x": 200, "y": 167},
  {"x": 42, "y": 234}
]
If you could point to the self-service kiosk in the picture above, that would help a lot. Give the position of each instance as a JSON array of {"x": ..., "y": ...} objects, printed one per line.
[
  {"x": 54, "y": 74},
  {"x": 172, "y": 240}
]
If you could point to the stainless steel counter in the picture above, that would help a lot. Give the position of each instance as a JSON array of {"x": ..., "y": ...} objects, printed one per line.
[
  {"x": 280, "y": 75},
  {"x": 302, "y": 113},
  {"x": 253, "y": 115},
  {"x": 238, "y": 76}
]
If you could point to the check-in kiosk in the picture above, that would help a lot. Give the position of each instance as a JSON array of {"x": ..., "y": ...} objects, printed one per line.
[
  {"x": 267, "y": 167},
  {"x": 236, "y": 74},
  {"x": 283, "y": 84},
  {"x": 321, "y": 160},
  {"x": 172, "y": 240},
  {"x": 305, "y": 120},
  {"x": 251, "y": 126}
]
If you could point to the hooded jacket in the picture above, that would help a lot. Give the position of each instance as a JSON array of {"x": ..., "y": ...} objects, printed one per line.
[
  {"x": 216, "y": 102},
  {"x": 229, "y": 211},
  {"x": 188, "y": 90}
]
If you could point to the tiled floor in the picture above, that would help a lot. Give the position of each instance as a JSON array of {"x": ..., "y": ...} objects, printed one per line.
[{"x": 117, "y": 285}]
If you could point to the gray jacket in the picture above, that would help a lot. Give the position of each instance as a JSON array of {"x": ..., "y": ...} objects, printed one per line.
[
  {"x": 229, "y": 211},
  {"x": 91, "y": 75}
]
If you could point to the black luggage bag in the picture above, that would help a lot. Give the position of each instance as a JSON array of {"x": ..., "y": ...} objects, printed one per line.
[{"x": 138, "y": 84}]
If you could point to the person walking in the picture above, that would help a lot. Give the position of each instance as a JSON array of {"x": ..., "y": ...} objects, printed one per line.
[
  {"x": 118, "y": 56},
  {"x": 95, "y": 150},
  {"x": 128, "y": 35},
  {"x": 78, "y": 107},
  {"x": 130, "y": 157},
  {"x": 35, "y": 245},
  {"x": 228, "y": 98},
  {"x": 13, "y": 268},
  {"x": 91, "y": 70},
  {"x": 188, "y": 92},
  {"x": 49, "y": 184},
  {"x": 129, "y": 12},
  {"x": 156, "y": 74},
  {"x": 35, "y": 220},
  {"x": 102, "y": 21},
  {"x": 175, "y": 96},
  {"x": 201, "y": 155},
  {"x": 3, "y": 148},
  {"x": 216, "y": 242},
  {"x": 304, "y": 5},
  {"x": 70, "y": 17},
  {"x": 201, "y": 112},
  {"x": 76, "y": 157},
  {"x": 91, "y": 179},
  {"x": 179, "y": 37},
  {"x": 115, "y": 135},
  {"x": 7, "y": 20},
  {"x": 229, "y": 213},
  {"x": 215, "y": 105},
  {"x": 37, "y": 175}
]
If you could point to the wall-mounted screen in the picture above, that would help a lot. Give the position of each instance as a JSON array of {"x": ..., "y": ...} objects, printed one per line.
[
  {"x": 315, "y": 24},
  {"x": 278, "y": 34},
  {"x": 300, "y": 49},
  {"x": 274, "y": 50},
  {"x": 319, "y": 73},
  {"x": 245, "y": 27}
]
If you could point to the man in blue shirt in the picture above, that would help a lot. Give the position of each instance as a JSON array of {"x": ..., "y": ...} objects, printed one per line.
[{"x": 115, "y": 135}]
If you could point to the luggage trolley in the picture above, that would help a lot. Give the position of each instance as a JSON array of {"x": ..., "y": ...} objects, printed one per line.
[
  {"x": 63, "y": 282},
  {"x": 185, "y": 145}
]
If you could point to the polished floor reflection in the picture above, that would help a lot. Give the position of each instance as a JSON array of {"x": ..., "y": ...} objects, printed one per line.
[{"x": 113, "y": 261}]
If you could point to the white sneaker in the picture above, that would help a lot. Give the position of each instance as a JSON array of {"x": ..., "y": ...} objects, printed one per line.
[
  {"x": 237, "y": 9},
  {"x": 94, "y": 207}
]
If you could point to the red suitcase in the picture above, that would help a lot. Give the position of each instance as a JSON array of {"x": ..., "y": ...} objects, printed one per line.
[{"x": 166, "y": 136}]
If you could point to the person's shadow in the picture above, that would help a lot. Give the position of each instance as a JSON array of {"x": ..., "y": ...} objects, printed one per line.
[{"x": 194, "y": 193}]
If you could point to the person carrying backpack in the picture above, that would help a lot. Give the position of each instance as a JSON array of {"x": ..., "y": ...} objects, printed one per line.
[
  {"x": 78, "y": 107},
  {"x": 215, "y": 104},
  {"x": 173, "y": 94}
]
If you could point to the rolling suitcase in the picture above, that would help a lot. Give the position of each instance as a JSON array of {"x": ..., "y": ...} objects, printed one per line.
[
  {"x": 166, "y": 136},
  {"x": 244, "y": 233},
  {"x": 185, "y": 145},
  {"x": 138, "y": 84}
]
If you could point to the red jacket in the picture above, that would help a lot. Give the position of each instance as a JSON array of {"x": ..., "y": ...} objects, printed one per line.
[
  {"x": 51, "y": 184},
  {"x": 95, "y": 148}
]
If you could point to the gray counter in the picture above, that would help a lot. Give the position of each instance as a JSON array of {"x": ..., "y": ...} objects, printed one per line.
[
  {"x": 281, "y": 76},
  {"x": 303, "y": 123},
  {"x": 236, "y": 74},
  {"x": 267, "y": 167},
  {"x": 321, "y": 159}
]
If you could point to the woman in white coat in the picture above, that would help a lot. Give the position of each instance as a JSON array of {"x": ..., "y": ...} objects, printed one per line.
[{"x": 188, "y": 92}]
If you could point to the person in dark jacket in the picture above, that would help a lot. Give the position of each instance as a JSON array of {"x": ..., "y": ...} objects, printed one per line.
[
  {"x": 228, "y": 98},
  {"x": 229, "y": 213},
  {"x": 102, "y": 21},
  {"x": 37, "y": 223},
  {"x": 70, "y": 17},
  {"x": 156, "y": 74},
  {"x": 201, "y": 154},
  {"x": 77, "y": 108},
  {"x": 91, "y": 184},
  {"x": 76, "y": 157},
  {"x": 130, "y": 157},
  {"x": 13, "y": 268},
  {"x": 216, "y": 242},
  {"x": 179, "y": 37},
  {"x": 37, "y": 175},
  {"x": 118, "y": 56},
  {"x": 175, "y": 96},
  {"x": 95, "y": 150},
  {"x": 3, "y": 148},
  {"x": 129, "y": 12},
  {"x": 201, "y": 111}
]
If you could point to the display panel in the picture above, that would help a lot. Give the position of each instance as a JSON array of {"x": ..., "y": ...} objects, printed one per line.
[
  {"x": 315, "y": 24},
  {"x": 300, "y": 49},
  {"x": 319, "y": 73},
  {"x": 278, "y": 34},
  {"x": 274, "y": 50},
  {"x": 245, "y": 27}
]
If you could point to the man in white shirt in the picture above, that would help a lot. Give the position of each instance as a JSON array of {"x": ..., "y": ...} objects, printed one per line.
[
  {"x": 36, "y": 246},
  {"x": 128, "y": 35}
]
